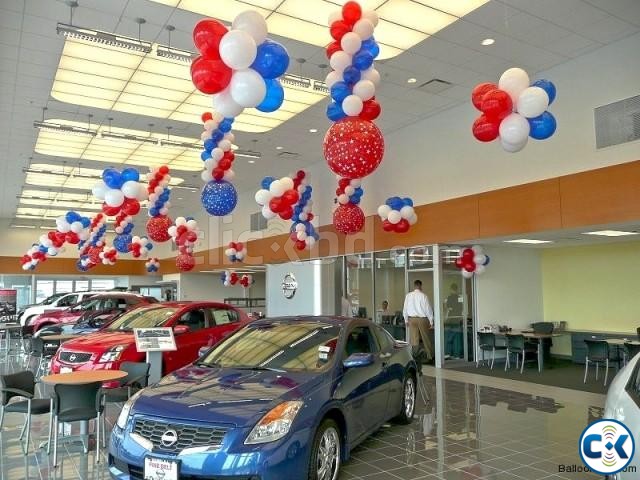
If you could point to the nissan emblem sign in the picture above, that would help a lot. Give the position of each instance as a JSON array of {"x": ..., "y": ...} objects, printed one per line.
[{"x": 289, "y": 286}]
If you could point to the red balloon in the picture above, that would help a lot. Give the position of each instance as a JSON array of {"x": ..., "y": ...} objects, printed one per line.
[
  {"x": 51, "y": 235},
  {"x": 224, "y": 164},
  {"x": 206, "y": 116},
  {"x": 210, "y": 76},
  {"x": 94, "y": 255},
  {"x": 158, "y": 228},
  {"x": 351, "y": 12},
  {"x": 484, "y": 129},
  {"x": 301, "y": 244},
  {"x": 229, "y": 155},
  {"x": 192, "y": 237},
  {"x": 478, "y": 92},
  {"x": 348, "y": 218},
  {"x": 353, "y": 147},
  {"x": 338, "y": 29},
  {"x": 290, "y": 197},
  {"x": 344, "y": 183},
  {"x": 496, "y": 104},
  {"x": 239, "y": 246},
  {"x": 72, "y": 238},
  {"x": 468, "y": 254},
  {"x": 275, "y": 205},
  {"x": 286, "y": 213},
  {"x": 459, "y": 262},
  {"x": 164, "y": 169},
  {"x": 370, "y": 110},
  {"x": 110, "y": 211},
  {"x": 185, "y": 262},
  {"x": 387, "y": 226},
  {"x": 402, "y": 226},
  {"x": 332, "y": 48},
  {"x": 206, "y": 37},
  {"x": 469, "y": 266},
  {"x": 218, "y": 173},
  {"x": 131, "y": 206}
]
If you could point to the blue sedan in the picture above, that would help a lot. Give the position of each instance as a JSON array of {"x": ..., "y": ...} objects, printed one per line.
[{"x": 284, "y": 398}]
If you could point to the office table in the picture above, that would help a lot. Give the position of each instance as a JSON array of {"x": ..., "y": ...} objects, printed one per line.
[{"x": 530, "y": 335}]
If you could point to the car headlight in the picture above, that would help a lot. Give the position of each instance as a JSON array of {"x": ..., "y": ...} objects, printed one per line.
[
  {"x": 112, "y": 354},
  {"x": 275, "y": 424},
  {"x": 124, "y": 413}
]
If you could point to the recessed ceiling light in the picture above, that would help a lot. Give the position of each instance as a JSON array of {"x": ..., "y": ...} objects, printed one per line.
[
  {"x": 251, "y": 161},
  {"x": 313, "y": 130},
  {"x": 411, "y": 80},
  {"x": 610, "y": 233},
  {"x": 180, "y": 198},
  {"x": 488, "y": 41},
  {"x": 528, "y": 241},
  {"x": 279, "y": 147}
]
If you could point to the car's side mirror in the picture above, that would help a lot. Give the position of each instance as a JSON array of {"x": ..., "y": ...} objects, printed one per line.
[
  {"x": 180, "y": 329},
  {"x": 357, "y": 360}
]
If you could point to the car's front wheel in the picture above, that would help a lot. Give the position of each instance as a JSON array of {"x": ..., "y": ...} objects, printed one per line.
[
  {"x": 408, "y": 407},
  {"x": 326, "y": 453}
]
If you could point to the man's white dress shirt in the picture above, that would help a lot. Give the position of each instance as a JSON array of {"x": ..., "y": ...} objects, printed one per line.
[{"x": 416, "y": 304}]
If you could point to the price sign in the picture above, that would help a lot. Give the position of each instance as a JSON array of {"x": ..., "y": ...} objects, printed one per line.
[{"x": 154, "y": 339}]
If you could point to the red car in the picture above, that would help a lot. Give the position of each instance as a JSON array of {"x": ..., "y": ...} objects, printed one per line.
[
  {"x": 195, "y": 325},
  {"x": 103, "y": 302}
]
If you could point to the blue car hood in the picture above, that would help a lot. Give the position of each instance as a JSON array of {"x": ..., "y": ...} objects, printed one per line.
[{"x": 223, "y": 395}]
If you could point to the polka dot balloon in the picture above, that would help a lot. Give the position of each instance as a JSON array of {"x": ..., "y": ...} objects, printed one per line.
[
  {"x": 348, "y": 219},
  {"x": 219, "y": 198},
  {"x": 158, "y": 228}
]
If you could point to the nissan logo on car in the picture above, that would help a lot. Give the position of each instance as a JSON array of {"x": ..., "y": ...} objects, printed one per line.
[
  {"x": 289, "y": 286},
  {"x": 169, "y": 438},
  {"x": 72, "y": 357}
]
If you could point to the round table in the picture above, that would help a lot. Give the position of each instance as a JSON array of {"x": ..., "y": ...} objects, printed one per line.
[{"x": 83, "y": 377}]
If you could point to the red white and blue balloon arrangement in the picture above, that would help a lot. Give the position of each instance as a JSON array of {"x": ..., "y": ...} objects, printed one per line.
[
  {"x": 91, "y": 248},
  {"x": 353, "y": 146},
  {"x": 229, "y": 278},
  {"x": 185, "y": 235},
  {"x": 236, "y": 252},
  {"x": 397, "y": 214},
  {"x": 123, "y": 228},
  {"x": 303, "y": 233},
  {"x": 108, "y": 255},
  {"x": 472, "y": 261},
  {"x": 140, "y": 247},
  {"x": 152, "y": 265},
  {"x": 159, "y": 192},
  {"x": 120, "y": 191},
  {"x": 277, "y": 197},
  {"x": 514, "y": 110},
  {"x": 246, "y": 280}
]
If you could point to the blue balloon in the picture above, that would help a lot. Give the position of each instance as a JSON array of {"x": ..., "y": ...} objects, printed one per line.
[
  {"x": 486, "y": 262},
  {"x": 71, "y": 217},
  {"x": 153, "y": 212},
  {"x": 542, "y": 127},
  {"x": 370, "y": 45},
  {"x": 86, "y": 222},
  {"x": 129, "y": 228},
  {"x": 340, "y": 91},
  {"x": 121, "y": 242},
  {"x": 266, "y": 182},
  {"x": 219, "y": 198},
  {"x": 130, "y": 175},
  {"x": 79, "y": 265},
  {"x": 216, "y": 136},
  {"x": 355, "y": 200},
  {"x": 395, "y": 203},
  {"x": 272, "y": 60},
  {"x": 351, "y": 75},
  {"x": 273, "y": 98},
  {"x": 408, "y": 202},
  {"x": 205, "y": 155},
  {"x": 225, "y": 125},
  {"x": 209, "y": 144},
  {"x": 548, "y": 87},
  {"x": 112, "y": 178},
  {"x": 335, "y": 112},
  {"x": 362, "y": 60}
]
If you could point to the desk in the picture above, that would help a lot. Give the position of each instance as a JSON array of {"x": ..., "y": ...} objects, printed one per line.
[
  {"x": 7, "y": 327},
  {"x": 530, "y": 335}
]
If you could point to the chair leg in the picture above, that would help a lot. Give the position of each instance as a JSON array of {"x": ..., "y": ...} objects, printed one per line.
[
  {"x": 1, "y": 417},
  {"x": 493, "y": 357},
  {"x": 506, "y": 362},
  {"x": 104, "y": 429},
  {"x": 26, "y": 448},
  {"x": 597, "y": 368},
  {"x": 586, "y": 369},
  {"x": 55, "y": 442},
  {"x": 606, "y": 372},
  {"x": 98, "y": 421},
  {"x": 49, "y": 438},
  {"x": 522, "y": 363},
  {"x": 483, "y": 356},
  {"x": 24, "y": 426}
]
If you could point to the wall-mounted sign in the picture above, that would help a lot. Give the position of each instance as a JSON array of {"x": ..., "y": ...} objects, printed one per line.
[
  {"x": 8, "y": 302},
  {"x": 154, "y": 339},
  {"x": 289, "y": 286}
]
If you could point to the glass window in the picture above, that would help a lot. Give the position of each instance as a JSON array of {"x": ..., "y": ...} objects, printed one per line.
[
  {"x": 194, "y": 319},
  {"x": 68, "y": 300},
  {"x": 44, "y": 289},
  {"x": 360, "y": 340},
  {"x": 21, "y": 284},
  {"x": 359, "y": 284},
  {"x": 385, "y": 340},
  {"x": 64, "y": 286},
  {"x": 102, "y": 284},
  {"x": 81, "y": 286},
  {"x": 143, "y": 318},
  {"x": 389, "y": 282},
  {"x": 420, "y": 257},
  {"x": 303, "y": 346},
  {"x": 223, "y": 316}
]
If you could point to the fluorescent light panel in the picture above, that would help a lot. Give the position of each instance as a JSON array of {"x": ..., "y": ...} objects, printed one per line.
[
  {"x": 403, "y": 23},
  {"x": 611, "y": 233},
  {"x": 528, "y": 241}
]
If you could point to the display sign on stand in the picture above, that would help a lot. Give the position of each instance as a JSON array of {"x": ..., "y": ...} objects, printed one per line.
[
  {"x": 8, "y": 299},
  {"x": 154, "y": 341}
]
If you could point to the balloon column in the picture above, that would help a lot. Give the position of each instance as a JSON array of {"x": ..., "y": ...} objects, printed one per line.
[
  {"x": 303, "y": 233},
  {"x": 91, "y": 248},
  {"x": 185, "y": 235},
  {"x": 140, "y": 247},
  {"x": 236, "y": 251},
  {"x": 353, "y": 146},
  {"x": 159, "y": 193},
  {"x": 123, "y": 227},
  {"x": 246, "y": 280},
  {"x": 229, "y": 278},
  {"x": 473, "y": 260},
  {"x": 33, "y": 257},
  {"x": 120, "y": 191},
  {"x": 152, "y": 265},
  {"x": 397, "y": 214},
  {"x": 514, "y": 110}
]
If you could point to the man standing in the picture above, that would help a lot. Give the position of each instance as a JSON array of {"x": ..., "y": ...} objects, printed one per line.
[{"x": 418, "y": 317}]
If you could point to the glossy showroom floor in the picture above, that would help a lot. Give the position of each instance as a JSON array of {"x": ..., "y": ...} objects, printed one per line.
[{"x": 473, "y": 427}]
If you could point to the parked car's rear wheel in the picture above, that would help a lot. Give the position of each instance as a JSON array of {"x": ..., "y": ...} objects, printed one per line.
[
  {"x": 408, "y": 407},
  {"x": 326, "y": 453}
]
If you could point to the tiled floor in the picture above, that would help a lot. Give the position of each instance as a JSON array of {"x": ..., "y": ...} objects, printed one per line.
[{"x": 473, "y": 427}]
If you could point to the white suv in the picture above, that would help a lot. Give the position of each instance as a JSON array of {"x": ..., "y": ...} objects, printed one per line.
[{"x": 60, "y": 303}]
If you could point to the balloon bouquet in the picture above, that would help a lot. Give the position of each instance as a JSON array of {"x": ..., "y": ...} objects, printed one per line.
[
  {"x": 473, "y": 260},
  {"x": 152, "y": 265},
  {"x": 91, "y": 248},
  {"x": 353, "y": 146},
  {"x": 514, "y": 110},
  {"x": 240, "y": 67},
  {"x": 185, "y": 235},
  {"x": 159, "y": 192},
  {"x": 397, "y": 214},
  {"x": 236, "y": 252}
]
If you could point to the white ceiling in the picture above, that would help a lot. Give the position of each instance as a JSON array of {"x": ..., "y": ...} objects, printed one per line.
[{"x": 535, "y": 35}]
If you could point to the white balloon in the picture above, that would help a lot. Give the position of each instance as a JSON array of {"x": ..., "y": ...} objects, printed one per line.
[
  {"x": 253, "y": 23},
  {"x": 206, "y": 176},
  {"x": 205, "y": 135},
  {"x": 301, "y": 235},
  {"x": 237, "y": 50},
  {"x": 180, "y": 221},
  {"x": 310, "y": 242},
  {"x": 247, "y": 88},
  {"x": 287, "y": 182},
  {"x": 267, "y": 213},
  {"x": 343, "y": 199},
  {"x": 340, "y": 60},
  {"x": 383, "y": 211},
  {"x": 210, "y": 164},
  {"x": 210, "y": 124},
  {"x": 216, "y": 154},
  {"x": 225, "y": 104},
  {"x": 164, "y": 210},
  {"x": 351, "y": 43},
  {"x": 352, "y": 105},
  {"x": 217, "y": 117},
  {"x": 349, "y": 190},
  {"x": 63, "y": 225},
  {"x": 406, "y": 212},
  {"x": 172, "y": 230},
  {"x": 513, "y": 147},
  {"x": 412, "y": 219},
  {"x": 229, "y": 251},
  {"x": 76, "y": 227},
  {"x": 479, "y": 259},
  {"x": 142, "y": 192},
  {"x": 230, "y": 136},
  {"x": 229, "y": 175},
  {"x": 532, "y": 102},
  {"x": 52, "y": 251},
  {"x": 113, "y": 197},
  {"x": 477, "y": 249},
  {"x": 99, "y": 190},
  {"x": 363, "y": 28},
  {"x": 332, "y": 77},
  {"x": 239, "y": 255},
  {"x": 514, "y": 81},
  {"x": 365, "y": 89},
  {"x": 300, "y": 228},
  {"x": 44, "y": 239},
  {"x": 480, "y": 269},
  {"x": 466, "y": 274},
  {"x": 263, "y": 196},
  {"x": 334, "y": 17},
  {"x": 372, "y": 16},
  {"x": 277, "y": 188},
  {"x": 135, "y": 239},
  {"x": 225, "y": 145},
  {"x": 514, "y": 129},
  {"x": 371, "y": 74},
  {"x": 394, "y": 216},
  {"x": 130, "y": 189}
]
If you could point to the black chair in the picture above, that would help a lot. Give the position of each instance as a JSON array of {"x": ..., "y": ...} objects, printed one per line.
[
  {"x": 597, "y": 352},
  {"x": 487, "y": 343},
  {"x": 542, "y": 327},
  {"x": 43, "y": 350},
  {"x": 76, "y": 403},
  {"x": 630, "y": 351},
  {"x": 22, "y": 384},
  {"x": 517, "y": 345}
]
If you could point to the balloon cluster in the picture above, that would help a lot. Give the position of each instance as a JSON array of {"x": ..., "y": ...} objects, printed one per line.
[
  {"x": 349, "y": 191},
  {"x": 108, "y": 255},
  {"x": 72, "y": 228},
  {"x": 120, "y": 191},
  {"x": 354, "y": 78},
  {"x": 159, "y": 193},
  {"x": 397, "y": 214},
  {"x": 473, "y": 260},
  {"x": 123, "y": 227},
  {"x": 246, "y": 280},
  {"x": 33, "y": 257},
  {"x": 277, "y": 197},
  {"x": 139, "y": 246},
  {"x": 240, "y": 66},
  {"x": 229, "y": 278},
  {"x": 185, "y": 235},
  {"x": 514, "y": 110},
  {"x": 97, "y": 230},
  {"x": 236, "y": 251},
  {"x": 152, "y": 265},
  {"x": 303, "y": 233}
]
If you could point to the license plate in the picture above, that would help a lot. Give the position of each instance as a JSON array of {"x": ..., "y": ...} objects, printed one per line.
[
  {"x": 66, "y": 369},
  {"x": 160, "y": 469}
]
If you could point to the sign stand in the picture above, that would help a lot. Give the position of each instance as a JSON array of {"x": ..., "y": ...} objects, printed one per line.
[
  {"x": 155, "y": 372},
  {"x": 154, "y": 341}
]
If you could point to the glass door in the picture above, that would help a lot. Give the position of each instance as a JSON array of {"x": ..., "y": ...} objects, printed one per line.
[{"x": 420, "y": 266}]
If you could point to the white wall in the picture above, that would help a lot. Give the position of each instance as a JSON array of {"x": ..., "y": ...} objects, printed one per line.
[{"x": 208, "y": 286}]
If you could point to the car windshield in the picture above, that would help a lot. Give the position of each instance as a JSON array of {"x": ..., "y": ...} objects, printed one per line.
[
  {"x": 52, "y": 298},
  {"x": 303, "y": 346},
  {"x": 142, "y": 318},
  {"x": 86, "y": 305}
]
